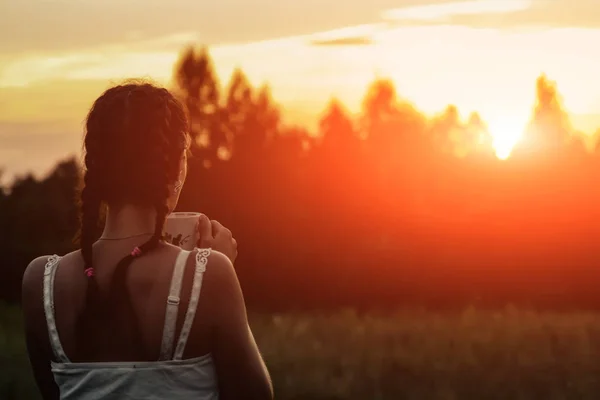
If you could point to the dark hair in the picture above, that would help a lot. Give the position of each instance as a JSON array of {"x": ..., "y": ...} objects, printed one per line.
[{"x": 135, "y": 136}]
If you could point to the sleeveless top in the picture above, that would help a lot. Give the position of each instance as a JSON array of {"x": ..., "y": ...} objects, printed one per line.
[{"x": 170, "y": 377}]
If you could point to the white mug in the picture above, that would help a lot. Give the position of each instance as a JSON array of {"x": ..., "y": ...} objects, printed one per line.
[{"x": 181, "y": 229}]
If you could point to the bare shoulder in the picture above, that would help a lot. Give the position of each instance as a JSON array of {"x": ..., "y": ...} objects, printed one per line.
[
  {"x": 31, "y": 290},
  {"x": 219, "y": 269},
  {"x": 34, "y": 273},
  {"x": 221, "y": 283},
  {"x": 217, "y": 262}
]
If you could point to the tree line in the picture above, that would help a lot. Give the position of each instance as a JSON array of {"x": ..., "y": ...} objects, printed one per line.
[{"x": 385, "y": 208}]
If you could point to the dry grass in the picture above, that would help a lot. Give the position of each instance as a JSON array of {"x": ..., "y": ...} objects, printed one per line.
[{"x": 509, "y": 354}]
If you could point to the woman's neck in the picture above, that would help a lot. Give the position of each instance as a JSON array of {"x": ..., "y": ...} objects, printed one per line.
[{"x": 129, "y": 220}]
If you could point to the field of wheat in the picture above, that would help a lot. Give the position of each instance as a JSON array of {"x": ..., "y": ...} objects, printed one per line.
[{"x": 474, "y": 354}]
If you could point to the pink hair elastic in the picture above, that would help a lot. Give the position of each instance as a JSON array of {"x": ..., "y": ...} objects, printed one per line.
[
  {"x": 89, "y": 272},
  {"x": 136, "y": 251}
]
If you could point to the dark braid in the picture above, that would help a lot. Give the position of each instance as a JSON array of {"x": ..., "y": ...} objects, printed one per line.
[
  {"x": 136, "y": 135},
  {"x": 90, "y": 202},
  {"x": 90, "y": 210}
]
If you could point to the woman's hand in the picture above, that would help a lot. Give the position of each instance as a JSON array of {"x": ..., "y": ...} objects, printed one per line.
[{"x": 214, "y": 235}]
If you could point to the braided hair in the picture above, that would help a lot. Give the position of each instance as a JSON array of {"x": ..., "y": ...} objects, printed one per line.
[{"x": 135, "y": 137}]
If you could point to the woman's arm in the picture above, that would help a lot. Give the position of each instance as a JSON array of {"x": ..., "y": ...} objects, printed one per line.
[
  {"x": 36, "y": 331},
  {"x": 241, "y": 371}
]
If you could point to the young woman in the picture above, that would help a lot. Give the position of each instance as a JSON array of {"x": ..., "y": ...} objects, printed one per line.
[{"x": 129, "y": 316}]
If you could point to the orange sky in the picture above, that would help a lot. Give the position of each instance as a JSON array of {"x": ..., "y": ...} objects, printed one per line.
[{"x": 57, "y": 56}]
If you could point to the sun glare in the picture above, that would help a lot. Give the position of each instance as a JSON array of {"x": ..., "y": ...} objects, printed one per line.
[{"x": 506, "y": 133}]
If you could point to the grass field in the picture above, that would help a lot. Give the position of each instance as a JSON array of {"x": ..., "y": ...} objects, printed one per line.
[
  {"x": 16, "y": 382},
  {"x": 475, "y": 354}
]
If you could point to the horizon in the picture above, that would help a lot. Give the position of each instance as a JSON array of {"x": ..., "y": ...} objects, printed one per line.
[{"x": 491, "y": 51}]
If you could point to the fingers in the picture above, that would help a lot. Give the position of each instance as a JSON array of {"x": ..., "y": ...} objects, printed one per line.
[
  {"x": 214, "y": 235},
  {"x": 204, "y": 228},
  {"x": 216, "y": 225},
  {"x": 219, "y": 229},
  {"x": 235, "y": 249}
]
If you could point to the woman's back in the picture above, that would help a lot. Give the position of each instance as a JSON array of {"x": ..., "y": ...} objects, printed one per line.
[
  {"x": 166, "y": 376},
  {"x": 113, "y": 336},
  {"x": 215, "y": 359}
]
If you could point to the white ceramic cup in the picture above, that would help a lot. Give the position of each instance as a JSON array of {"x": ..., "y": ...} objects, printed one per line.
[{"x": 181, "y": 229}]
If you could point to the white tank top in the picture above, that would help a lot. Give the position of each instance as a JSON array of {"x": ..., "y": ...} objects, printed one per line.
[{"x": 170, "y": 377}]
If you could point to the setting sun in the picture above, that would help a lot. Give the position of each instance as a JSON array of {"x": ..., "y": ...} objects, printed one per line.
[{"x": 506, "y": 133}]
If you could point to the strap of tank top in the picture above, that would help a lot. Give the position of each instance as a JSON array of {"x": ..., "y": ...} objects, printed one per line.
[
  {"x": 201, "y": 261},
  {"x": 166, "y": 348},
  {"x": 49, "y": 274}
]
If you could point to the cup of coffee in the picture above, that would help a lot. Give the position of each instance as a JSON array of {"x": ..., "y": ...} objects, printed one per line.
[{"x": 181, "y": 229}]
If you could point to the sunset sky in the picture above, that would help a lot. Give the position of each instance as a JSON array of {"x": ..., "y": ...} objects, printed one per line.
[{"x": 56, "y": 57}]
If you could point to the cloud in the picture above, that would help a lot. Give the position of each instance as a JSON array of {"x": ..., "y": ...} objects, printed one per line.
[
  {"x": 500, "y": 14},
  {"x": 359, "y": 35},
  {"x": 135, "y": 57},
  {"x": 347, "y": 41},
  {"x": 437, "y": 12},
  {"x": 542, "y": 14},
  {"x": 59, "y": 25}
]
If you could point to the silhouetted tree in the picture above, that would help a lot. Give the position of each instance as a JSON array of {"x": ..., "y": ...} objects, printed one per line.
[
  {"x": 379, "y": 111},
  {"x": 267, "y": 116},
  {"x": 239, "y": 109},
  {"x": 37, "y": 217},
  {"x": 447, "y": 131},
  {"x": 386, "y": 208},
  {"x": 198, "y": 87},
  {"x": 337, "y": 157},
  {"x": 337, "y": 131},
  {"x": 549, "y": 127},
  {"x": 253, "y": 119}
]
